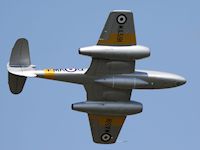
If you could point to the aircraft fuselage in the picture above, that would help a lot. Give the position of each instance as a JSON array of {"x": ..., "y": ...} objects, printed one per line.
[{"x": 140, "y": 79}]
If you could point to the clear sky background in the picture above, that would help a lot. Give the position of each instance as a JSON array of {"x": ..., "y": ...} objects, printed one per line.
[{"x": 40, "y": 118}]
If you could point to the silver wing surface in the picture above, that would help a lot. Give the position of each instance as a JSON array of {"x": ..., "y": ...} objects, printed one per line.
[{"x": 118, "y": 31}]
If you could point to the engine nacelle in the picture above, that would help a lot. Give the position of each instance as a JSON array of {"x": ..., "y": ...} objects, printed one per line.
[
  {"x": 109, "y": 108},
  {"x": 127, "y": 53}
]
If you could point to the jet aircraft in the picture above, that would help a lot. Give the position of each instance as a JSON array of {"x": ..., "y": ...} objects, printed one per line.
[{"x": 108, "y": 81}]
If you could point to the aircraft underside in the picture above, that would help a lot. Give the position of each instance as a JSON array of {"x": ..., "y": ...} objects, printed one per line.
[{"x": 108, "y": 81}]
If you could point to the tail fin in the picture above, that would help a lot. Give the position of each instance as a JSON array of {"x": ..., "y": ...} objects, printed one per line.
[{"x": 19, "y": 61}]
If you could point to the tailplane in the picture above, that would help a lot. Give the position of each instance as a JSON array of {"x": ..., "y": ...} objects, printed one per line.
[
  {"x": 16, "y": 83},
  {"x": 19, "y": 66},
  {"x": 20, "y": 56}
]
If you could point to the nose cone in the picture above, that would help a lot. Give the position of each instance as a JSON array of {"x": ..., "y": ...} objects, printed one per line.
[
  {"x": 174, "y": 80},
  {"x": 181, "y": 81}
]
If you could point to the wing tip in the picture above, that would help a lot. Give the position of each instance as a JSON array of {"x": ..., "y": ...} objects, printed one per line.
[
  {"x": 98, "y": 141},
  {"x": 125, "y": 11}
]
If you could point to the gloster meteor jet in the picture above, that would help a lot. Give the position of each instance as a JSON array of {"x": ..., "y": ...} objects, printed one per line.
[{"x": 108, "y": 81}]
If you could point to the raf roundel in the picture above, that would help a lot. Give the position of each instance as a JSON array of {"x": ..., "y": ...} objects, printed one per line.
[
  {"x": 105, "y": 137},
  {"x": 71, "y": 69},
  {"x": 121, "y": 19}
]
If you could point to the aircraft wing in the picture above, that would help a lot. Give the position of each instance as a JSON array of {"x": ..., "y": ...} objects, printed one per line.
[
  {"x": 118, "y": 31},
  {"x": 105, "y": 129}
]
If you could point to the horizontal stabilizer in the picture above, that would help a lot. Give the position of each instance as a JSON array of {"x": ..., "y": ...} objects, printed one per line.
[
  {"x": 20, "y": 55},
  {"x": 19, "y": 66},
  {"x": 16, "y": 83}
]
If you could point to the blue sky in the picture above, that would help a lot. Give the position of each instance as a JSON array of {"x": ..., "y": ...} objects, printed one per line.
[{"x": 41, "y": 116}]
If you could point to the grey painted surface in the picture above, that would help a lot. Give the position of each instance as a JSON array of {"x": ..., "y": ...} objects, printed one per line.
[
  {"x": 108, "y": 108},
  {"x": 20, "y": 55},
  {"x": 106, "y": 80}
]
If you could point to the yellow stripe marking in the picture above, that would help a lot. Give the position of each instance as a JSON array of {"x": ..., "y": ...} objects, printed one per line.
[
  {"x": 119, "y": 39},
  {"x": 49, "y": 73},
  {"x": 114, "y": 120}
]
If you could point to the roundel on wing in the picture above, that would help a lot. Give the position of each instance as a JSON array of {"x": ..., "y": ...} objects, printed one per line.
[
  {"x": 105, "y": 137},
  {"x": 121, "y": 19}
]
